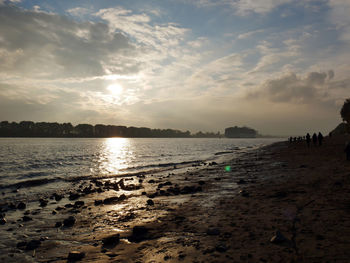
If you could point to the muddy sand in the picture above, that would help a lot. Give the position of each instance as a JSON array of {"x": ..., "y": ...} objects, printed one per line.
[{"x": 282, "y": 203}]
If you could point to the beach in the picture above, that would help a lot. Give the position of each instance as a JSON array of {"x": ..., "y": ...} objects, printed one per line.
[{"x": 282, "y": 203}]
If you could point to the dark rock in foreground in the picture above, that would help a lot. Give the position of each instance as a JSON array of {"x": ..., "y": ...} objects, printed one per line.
[
  {"x": 70, "y": 221},
  {"x": 111, "y": 240},
  {"x": 75, "y": 256},
  {"x": 33, "y": 244},
  {"x": 139, "y": 233},
  {"x": 278, "y": 238}
]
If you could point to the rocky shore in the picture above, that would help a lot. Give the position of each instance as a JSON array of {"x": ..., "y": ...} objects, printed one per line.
[{"x": 283, "y": 203}]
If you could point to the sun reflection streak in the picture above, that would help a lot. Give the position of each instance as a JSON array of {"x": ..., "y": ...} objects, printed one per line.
[{"x": 117, "y": 154}]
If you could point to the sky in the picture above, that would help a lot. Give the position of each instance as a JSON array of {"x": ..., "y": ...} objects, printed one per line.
[{"x": 278, "y": 66}]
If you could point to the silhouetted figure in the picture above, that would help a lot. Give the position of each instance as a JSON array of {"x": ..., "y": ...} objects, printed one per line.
[
  {"x": 320, "y": 138},
  {"x": 290, "y": 139},
  {"x": 330, "y": 135},
  {"x": 314, "y": 139},
  {"x": 295, "y": 139},
  {"x": 308, "y": 139},
  {"x": 347, "y": 151}
]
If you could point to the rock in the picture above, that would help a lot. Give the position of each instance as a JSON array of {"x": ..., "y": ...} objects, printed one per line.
[
  {"x": 122, "y": 197},
  {"x": 151, "y": 181},
  {"x": 21, "y": 244},
  {"x": 58, "y": 197},
  {"x": 139, "y": 233},
  {"x": 221, "y": 248},
  {"x": 33, "y": 244},
  {"x": 213, "y": 231},
  {"x": 242, "y": 181},
  {"x": 21, "y": 206},
  {"x": 74, "y": 196},
  {"x": 75, "y": 255},
  {"x": 54, "y": 212},
  {"x": 150, "y": 202},
  {"x": 279, "y": 194},
  {"x": 70, "y": 221},
  {"x": 68, "y": 205},
  {"x": 244, "y": 193},
  {"x": 2, "y": 221},
  {"x": 111, "y": 240},
  {"x": 43, "y": 202},
  {"x": 98, "y": 202},
  {"x": 201, "y": 182},
  {"x": 58, "y": 224},
  {"x": 278, "y": 238},
  {"x": 26, "y": 218},
  {"x": 111, "y": 200}
]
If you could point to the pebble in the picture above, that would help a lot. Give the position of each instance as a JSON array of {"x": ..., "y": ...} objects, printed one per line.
[
  {"x": 26, "y": 218},
  {"x": 278, "y": 238},
  {"x": 150, "y": 202},
  {"x": 213, "y": 231},
  {"x": 21, "y": 206}
]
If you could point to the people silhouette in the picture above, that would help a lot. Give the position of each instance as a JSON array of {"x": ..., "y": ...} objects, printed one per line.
[
  {"x": 308, "y": 139},
  {"x": 347, "y": 151},
  {"x": 320, "y": 138},
  {"x": 314, "y": 139}
]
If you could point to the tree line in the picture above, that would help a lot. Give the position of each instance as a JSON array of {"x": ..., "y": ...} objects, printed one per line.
[{"x": 67, "y": 130}]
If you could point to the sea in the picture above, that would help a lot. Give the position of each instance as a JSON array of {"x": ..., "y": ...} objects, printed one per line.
[{"x": 48, "y": 164}]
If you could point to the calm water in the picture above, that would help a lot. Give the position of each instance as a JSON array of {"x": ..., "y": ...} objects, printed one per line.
[{"x": 26, "y": 159}]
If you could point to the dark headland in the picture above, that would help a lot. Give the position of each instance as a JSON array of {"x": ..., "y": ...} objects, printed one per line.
[{"x": 282, "y": 203}]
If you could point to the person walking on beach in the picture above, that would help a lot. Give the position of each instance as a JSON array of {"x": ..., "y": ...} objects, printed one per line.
[
  {"x": 320, "y": 138},
  {"x": 314, "y": 139},
  {"x": 308, "y": 140},
  {"x": 347, "y": 151}
]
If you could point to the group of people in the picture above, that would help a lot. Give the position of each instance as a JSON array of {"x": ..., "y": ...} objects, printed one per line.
[{"x": 316, "y": 139}]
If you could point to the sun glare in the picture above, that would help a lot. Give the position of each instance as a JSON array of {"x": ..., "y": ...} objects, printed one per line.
[{"x": 115, "y": 89}]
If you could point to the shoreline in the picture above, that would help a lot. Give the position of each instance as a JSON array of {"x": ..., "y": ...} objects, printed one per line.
[{"x": 204, "y": 215}]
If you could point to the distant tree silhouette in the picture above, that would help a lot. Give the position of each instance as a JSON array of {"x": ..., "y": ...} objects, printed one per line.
[
  {"x": 345, "y": 111},
  {"x": 54, "y": 129}
]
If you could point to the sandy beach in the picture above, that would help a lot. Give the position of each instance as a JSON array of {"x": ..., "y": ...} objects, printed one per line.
[{"x": 282, "y": 203}]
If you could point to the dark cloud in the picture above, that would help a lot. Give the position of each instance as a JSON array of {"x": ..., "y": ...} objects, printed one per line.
[
  {"x": 38, "y": 44},
  {"x": 294, "y": 89}
]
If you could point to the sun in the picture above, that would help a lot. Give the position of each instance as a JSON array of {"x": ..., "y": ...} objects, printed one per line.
[{"x": 115, "y": 89}]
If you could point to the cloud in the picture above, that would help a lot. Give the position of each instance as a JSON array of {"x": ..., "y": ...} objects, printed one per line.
[
  {"x": 249, "y": 34},
  {"x": 245, "y": 7},
  {"x": 79, "y": 11},
  {"x": 315, "y": 87},
  {"x": 46, "y": 45},
  {"x": 339, "y": 16}
]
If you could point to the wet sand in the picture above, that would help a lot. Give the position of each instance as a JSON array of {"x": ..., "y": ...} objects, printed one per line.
[{"x": 208, "y": 214}]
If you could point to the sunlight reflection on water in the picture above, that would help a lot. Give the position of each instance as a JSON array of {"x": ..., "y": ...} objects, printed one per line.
[{"x": 116, "y": 155}]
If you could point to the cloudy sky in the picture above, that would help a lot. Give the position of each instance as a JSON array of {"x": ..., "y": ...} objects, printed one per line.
[{"x": 279, "y": 66}]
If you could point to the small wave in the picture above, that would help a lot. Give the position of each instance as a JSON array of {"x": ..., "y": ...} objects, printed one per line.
[
  {"x": 29, "y": 183},
  {"x": 32, "y": 175},
  {"x": 221, "y": 153}
]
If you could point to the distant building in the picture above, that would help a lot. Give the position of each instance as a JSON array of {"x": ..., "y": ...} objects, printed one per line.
[{"x": 240, "y": 132}]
